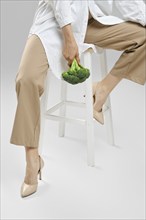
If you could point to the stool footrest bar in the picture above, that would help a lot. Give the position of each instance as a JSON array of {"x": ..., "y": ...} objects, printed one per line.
[
  {"x": 66, "y": 119},
  {"x": 71, "y": 103}
]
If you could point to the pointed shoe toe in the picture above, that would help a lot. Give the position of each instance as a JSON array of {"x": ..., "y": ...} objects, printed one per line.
[
  {"x": 27, "y": 190},
  {"x": 98, "y": 116}
]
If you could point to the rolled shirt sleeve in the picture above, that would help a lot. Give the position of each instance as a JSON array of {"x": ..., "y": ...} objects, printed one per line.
[{"x": 62, "y": 11}]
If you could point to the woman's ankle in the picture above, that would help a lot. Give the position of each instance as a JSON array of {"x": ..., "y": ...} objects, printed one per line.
[
  {"x": 109, "y": 83},
  {"x": 32, "y": 165},
  {"x": 32, "y": 162},
  {"x": 32, "y": 154},
  {"x": 102, "y": 88}
]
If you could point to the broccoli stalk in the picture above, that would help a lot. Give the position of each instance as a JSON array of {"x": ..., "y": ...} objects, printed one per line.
[{"x": 76, "y": 73}]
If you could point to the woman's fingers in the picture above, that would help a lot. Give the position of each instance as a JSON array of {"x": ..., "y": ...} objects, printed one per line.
[
  {"x": 71, "y": 60},
  {"x": 70, "y": 51},
  {"x": 77, "y": 58}
]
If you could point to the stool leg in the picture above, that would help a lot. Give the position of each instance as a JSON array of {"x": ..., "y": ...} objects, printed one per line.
[
  {"x": 63, "y": 108},
  {"x": 43, "y": 109},
  {"x": 108, "y": 118},
  {"x": 89, "y": 112}
]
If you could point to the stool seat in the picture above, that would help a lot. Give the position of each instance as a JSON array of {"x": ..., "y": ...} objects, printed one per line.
[{"x": 88, "y": 121}]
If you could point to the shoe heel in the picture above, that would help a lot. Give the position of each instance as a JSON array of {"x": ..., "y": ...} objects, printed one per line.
[
  {"x": 40, "y": 175},
  {"x": 41, "y": 166}
]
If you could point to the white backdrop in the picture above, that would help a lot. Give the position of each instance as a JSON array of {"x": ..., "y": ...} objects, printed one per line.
[{"x": 114, "y": 188}]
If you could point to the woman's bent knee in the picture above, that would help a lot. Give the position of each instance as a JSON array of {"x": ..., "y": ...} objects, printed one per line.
[{"x": 28, "y": 83}]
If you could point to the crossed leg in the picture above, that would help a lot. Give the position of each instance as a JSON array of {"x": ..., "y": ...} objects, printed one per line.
[{"x": 128, "y": 37}]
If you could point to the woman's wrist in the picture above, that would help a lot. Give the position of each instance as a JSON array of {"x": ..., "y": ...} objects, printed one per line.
[
  {"x": 70, "y": 49},
  {"x": 68, "y": 33}
]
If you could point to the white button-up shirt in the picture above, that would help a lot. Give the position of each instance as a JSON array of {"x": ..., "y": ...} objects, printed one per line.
[{"x": 52, "y": 15}]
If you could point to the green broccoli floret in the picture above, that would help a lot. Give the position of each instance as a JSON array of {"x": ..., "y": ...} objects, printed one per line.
[{"x": 76, "y": 73}]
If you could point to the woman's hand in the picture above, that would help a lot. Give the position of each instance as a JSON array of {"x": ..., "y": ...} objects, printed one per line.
[{"x": 70, "y": 49}]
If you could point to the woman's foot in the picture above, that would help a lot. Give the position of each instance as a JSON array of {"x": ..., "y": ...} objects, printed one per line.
[
  {"x": 33, "y": 168},
  {"x": 103, "y": 88},
  {"x": 99, "y": 96},
  {"x": 31, "y": 172}
]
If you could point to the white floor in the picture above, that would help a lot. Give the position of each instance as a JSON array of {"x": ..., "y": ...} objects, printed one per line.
[{"x": 113, "y": 189}]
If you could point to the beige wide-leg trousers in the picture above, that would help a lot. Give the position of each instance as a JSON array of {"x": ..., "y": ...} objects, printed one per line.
[
  {"x": 128, "y": 37},
  {"x": 29, "y": 87}
]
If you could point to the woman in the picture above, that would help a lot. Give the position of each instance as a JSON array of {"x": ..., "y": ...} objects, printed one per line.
[{"x": 60, "y": 32}]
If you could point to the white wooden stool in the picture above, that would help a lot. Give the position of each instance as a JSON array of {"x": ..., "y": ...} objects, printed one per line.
[{"x": 88, "y": 105}]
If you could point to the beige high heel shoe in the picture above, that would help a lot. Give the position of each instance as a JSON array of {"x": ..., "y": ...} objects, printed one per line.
[
  {"x": 27, "y": 190},
  {"x": 98, "y": 115}
]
